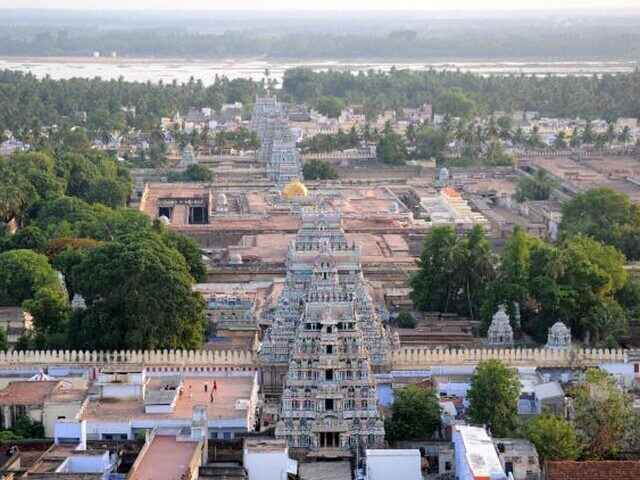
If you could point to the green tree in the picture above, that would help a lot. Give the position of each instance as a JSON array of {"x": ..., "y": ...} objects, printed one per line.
[
  {"x": 535, "y": 187},
  {"x": 415, "y": 414},
  {"x": 16, "y": 193},
  {"x": 433, "y": 285},
  {"x": 405, "y": 320},
  {"x": 139, "y": 295},
  {"x": 607, "y": 216},
  {"x": 51, "y": 310},
  {"x": 4, "y": 346},
  {"x": 191, "y": 252},
  {"x": 22, "y": 274},
  {"x": 29, "y": 238},
  {"x": 330, "y": 106},
  {"x": 430, "y": 143},
  {"x": 493, "y": 397},
  {"x": 197, "y": 173},
  {"x": 602, "y": 414},
  {"x": 391, "y": 148},
  {"x": 456, "y": 103},
  {"x": 319, "y": 170},
  {"x": 25, "y": 427},
  {"x": 454, "y": 272},
  {"x": 554, "y": 437}
]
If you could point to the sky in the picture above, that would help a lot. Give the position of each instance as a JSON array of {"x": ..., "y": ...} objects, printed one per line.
[{"x": 438, "y": 5}]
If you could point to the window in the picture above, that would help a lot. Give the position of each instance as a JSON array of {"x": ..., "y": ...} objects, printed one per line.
[
  {"x": 165, "y": 212},
  {"x": 197, "y": 215},
  {"x": 364, "y": 404},
  {"x": 508, "y": 467},
  {"x": 636, "y": 367},
  {"x": 328, "y": 374},
  {"x": 447, "y": 466},
  {"x": 329, "y": 349},
  {"x": 328, "y": 404},
  {"x": 227, "y": 436}
]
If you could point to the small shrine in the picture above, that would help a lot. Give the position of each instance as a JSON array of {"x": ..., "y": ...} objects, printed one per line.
[
  {"x": 500, "y": 333},
  {"x": 559, "y": 336}
]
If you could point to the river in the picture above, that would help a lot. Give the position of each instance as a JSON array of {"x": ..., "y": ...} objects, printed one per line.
[{"x": 167, "y": 70}]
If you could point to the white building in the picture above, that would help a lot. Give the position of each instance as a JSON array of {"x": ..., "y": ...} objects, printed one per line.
[
  {"x": 476, "y": 455},
  {"x": 128, "y": 404},
  {"x": 267, "y": 459},
  {"x": 393, "y": 464}
]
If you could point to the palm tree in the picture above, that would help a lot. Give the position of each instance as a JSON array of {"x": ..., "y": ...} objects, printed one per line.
[
  {"x": 560, "y": 142},
  {"x": 625, "y": 136}
]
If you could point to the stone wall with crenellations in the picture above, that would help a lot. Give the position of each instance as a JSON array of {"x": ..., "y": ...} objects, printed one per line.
[
  {"x": 415, "y": 358},
  {"x": 406, "y": 358}
]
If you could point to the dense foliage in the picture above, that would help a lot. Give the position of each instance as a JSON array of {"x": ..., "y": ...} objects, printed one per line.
[
  {"x": 318, "y": 170},
  {"x": 535, "y": 187},
  {"x": 415, "y": 414},
  {"x": 554, "y": 437},
  {"x": 459, "y": 93},
  {"x": 28, "y": 103},
  {"x": 493, "y": 397},
  {"x": 138, "y": 295},
  {"x": 69, "y": 207},
  {"x": 607, "y": 216},
  {"x": 579, "y": 281},
  {"x": 193, "y": 173},
  {"x": 454, "y": 272},
  {"x": 604, "y": 418}
]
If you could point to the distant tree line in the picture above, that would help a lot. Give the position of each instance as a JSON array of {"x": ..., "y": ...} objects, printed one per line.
[
  {"x": 27, "y": 104},
  {"x": 508, "y": 39},
  {"x": 461, "y": 94}
]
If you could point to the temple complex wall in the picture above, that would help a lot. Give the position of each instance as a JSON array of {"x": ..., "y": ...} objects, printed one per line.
[
  {"x": 405, "y": 358},
  {"x": 409, "y": 358}
]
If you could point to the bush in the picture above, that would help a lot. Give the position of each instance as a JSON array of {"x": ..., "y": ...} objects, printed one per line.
[
  {"x": 406, "y": 320},
  {"x": 319, "y": 170}
]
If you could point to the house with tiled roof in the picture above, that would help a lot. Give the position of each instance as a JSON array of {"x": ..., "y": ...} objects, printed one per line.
[
  {"x": 25, "y": 398},
  {"x": 593, "y": 470}
]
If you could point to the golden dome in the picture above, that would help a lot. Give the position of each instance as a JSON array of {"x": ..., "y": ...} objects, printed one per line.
[{"x": 294, "y": 189}]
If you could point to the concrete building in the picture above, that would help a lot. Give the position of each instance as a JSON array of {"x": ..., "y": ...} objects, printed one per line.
[
  {"x": 388, "y": 464},
  {"x": 127, "y": 406},
  {"x": 168, "y": 455},
  {"x": 26, "y": 398},
  {"x": 475, "y": 454},
  {"x": 265, "y": 459},
  {"x": 519, "y": 458}
]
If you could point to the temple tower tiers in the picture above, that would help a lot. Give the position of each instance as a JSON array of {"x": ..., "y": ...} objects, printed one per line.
[
  {"x": 277, "y": 150},
  {"x": 500, "y": 332},
  {"x": 326, "y": 340}
]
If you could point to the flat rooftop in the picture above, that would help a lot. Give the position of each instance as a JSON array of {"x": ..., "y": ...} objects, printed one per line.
[
  {"x": 374, "y": 248},
  {"x": 229, "y": 391},
  {"x": 165, "y": 459}
]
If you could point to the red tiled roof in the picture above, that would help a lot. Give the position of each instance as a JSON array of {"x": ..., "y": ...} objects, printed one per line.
[
  {"x": 594, "y": 470},
  {"x": 27, "y": 392}
]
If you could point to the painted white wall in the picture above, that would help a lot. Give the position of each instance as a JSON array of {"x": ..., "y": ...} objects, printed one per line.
[
  {"x": 266, "y": 465},
  {"x": 390, "y": 464}
]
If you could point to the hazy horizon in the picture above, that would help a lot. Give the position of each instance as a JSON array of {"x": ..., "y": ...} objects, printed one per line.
[{"x": 603, "y": 6}]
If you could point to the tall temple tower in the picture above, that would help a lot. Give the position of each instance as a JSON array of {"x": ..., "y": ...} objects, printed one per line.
[
  {"x": 277, "y": 150},
  {"x": 326, "y": 340}
]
